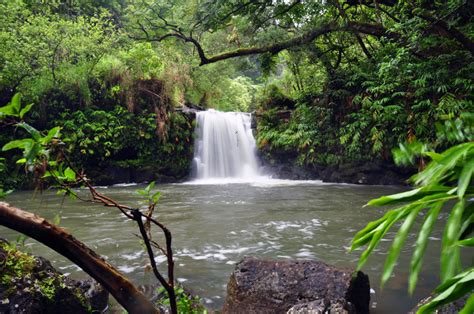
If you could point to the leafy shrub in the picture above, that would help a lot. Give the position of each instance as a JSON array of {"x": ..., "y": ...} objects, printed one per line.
[{"x": 446, "y": 182}]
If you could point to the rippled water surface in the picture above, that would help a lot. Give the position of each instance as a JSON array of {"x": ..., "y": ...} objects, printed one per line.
[{"x": 214, "y": 226}]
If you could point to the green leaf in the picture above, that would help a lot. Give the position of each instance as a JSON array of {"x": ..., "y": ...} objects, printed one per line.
[
  {"x": 384, "y": 200},
  {"x": 150, "y": 186},
  {"x": 33, "y": 132},
  {"x": 398, "y": 242},
  {"x": 21, "y": 144},
  {"x": 31, "y": 152},
  {"x": 449, "y": 255},
  {"x": 466, "y": 242},
  {"x": 7, "y": 110},
  {"x": 25, "y": 110},
  {"x": 364, "y": 236},
  {"x": 70, "y": 174},
  {"x": 451, "y": 290},
  {"x": 420, "y": 195},
  {"x": 47, "y": 174},
  {"x": 440, "y": 169},
  {"x": 142, "y": 192},
  {"x": 465, "y": 178},
  {"x": 421, "y": 243},
  {"x": 3, "y": 193},
  {"x": 21, "y": 161},
  {"x": 155, "y": 197},
  {"x": 16, "y": 102},
  {"x": 54, "y": 132},
  {"x": 57, "y": 219},
  {"x": 394, "y": 216}
]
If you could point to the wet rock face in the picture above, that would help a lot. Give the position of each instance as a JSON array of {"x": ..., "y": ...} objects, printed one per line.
[
  {"x": 259, "y": 286},
  {"x": 29, "y": 284},
  {"x": 371, "y": 173}
]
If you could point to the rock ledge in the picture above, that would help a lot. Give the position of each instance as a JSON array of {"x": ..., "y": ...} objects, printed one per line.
[{"x": 261, "y": 286}]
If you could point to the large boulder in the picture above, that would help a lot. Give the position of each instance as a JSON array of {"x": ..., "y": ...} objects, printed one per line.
[
  {"x": 29, "y": 284},
  {"x": 306, "y": 286}
]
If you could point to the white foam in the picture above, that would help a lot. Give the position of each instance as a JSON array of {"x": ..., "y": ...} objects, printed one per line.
[
  {"x": 122, "y": 185},
  {"x": 256, "y": 181}
]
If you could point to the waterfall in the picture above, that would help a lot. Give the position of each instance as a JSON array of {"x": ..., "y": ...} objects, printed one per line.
[{"x": 224, "y": 146}]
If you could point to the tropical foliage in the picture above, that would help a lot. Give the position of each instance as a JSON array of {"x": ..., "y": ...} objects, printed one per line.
[
  {"x": 446, "y": 182},
  {"x": 330, "y": 82}
]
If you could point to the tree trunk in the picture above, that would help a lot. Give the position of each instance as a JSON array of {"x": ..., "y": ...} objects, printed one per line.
[{"x": 65, "y": 244}]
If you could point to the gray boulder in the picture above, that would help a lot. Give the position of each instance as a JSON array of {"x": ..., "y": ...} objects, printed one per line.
[{"x": 261, "y": 286}]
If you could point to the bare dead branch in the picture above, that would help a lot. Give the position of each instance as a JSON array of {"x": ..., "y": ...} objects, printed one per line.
[{"x": 169, "y": 286}]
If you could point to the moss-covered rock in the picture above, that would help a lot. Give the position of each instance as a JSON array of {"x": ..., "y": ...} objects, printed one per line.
[{"x": 29, "y": 284}]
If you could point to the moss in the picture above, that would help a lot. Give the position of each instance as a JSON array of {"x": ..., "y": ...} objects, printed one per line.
[
  {"x": 25, "y": 273},
  {"x": 16, "y": 266},
  {"x": 82, "y": 299},
  {"x": 47, "y": 286}
]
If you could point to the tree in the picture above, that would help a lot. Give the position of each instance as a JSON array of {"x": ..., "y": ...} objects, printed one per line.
[
  {"x": 299, "y": 23},
  {"x": 44, "y": 155}
]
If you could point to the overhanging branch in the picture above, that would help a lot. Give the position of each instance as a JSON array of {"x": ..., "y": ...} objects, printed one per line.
[{"x": 308, "y": 37}]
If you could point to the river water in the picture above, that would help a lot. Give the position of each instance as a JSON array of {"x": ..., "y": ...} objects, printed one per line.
[{"x": 214, "y": 226}]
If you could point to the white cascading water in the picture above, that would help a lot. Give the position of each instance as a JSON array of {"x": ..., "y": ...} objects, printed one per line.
[{"x": 225, "y": 147}]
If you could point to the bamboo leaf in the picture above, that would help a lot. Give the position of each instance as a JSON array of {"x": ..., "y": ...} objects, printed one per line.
[
  {"x": 465, "y": 275},
  {"x": 449, "y": 255},
  {"x": 382, "y": 229},
  {"x": 398, "y": 242},
  {"x": 451, "y": 290},
  {"x": 384, "y": 200},
  {"x": 465, "y": 178},
  {"x": 439, "y": 169},
  {"x": 427, "y": 193},
  {"x": 363, "y": 236},
  {"x": 421, "y": 243},
  {"x": 466, "y": 242}
]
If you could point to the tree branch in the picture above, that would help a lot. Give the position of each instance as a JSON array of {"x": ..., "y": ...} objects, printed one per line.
[
  {"x": 372, "y": 29},
  {"x": 355, "y": 27},
  {"x": 169, "y": 286},
  {"x": 453, "y": 32}
]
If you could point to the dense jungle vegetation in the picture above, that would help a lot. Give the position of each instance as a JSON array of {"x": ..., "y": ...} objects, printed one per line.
[{"x": 330, "y": 82}]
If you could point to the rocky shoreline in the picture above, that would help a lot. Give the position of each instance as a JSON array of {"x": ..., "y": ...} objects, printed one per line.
[
  {"x": 373, "y": 173},
  {"x": 30, "y": 284}
]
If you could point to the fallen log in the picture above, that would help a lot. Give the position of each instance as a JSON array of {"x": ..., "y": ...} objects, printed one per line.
[{"x": 77, "y": 252}]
